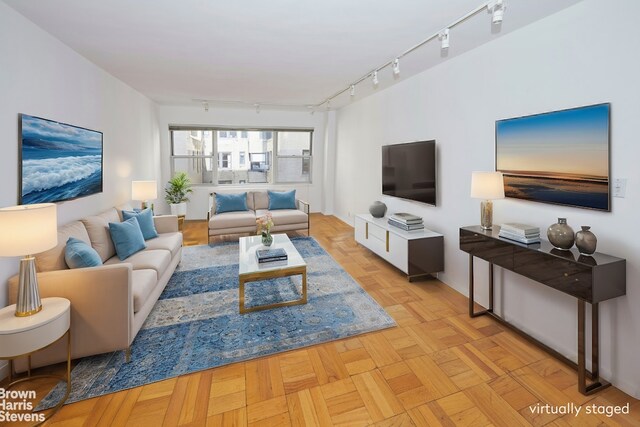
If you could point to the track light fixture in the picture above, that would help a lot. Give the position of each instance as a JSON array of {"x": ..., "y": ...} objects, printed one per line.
[
  {"x": 444, "y": 39},
  {"x": 352, "y": 90},
  {"x": 496, "y": 7},
  {"x": 374, "y": 78},
  {"x": 396, "y": 66}
]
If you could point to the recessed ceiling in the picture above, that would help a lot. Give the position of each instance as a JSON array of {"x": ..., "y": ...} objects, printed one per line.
[{"x": 295, "y": 52}]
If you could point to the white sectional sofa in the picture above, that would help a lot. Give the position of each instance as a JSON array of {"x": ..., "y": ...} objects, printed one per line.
[
  {"x": 258, "y": 205},
  {"x": 109, "y": 303}
]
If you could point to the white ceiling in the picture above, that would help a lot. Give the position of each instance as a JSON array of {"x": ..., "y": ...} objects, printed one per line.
[{"x": 268, "y": 52}]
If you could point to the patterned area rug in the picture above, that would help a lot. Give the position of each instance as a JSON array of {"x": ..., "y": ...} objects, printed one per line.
[{"x": 196, "y": 324}]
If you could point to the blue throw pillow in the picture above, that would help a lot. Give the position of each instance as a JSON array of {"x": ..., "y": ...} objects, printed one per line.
[
  {"x": 78, "y": 254},
  {"x": 231, "y": 202},
  {"x": 282, "y": 200},
  {"x": 127, "y": 237},
  {"x": 145, "y": 220}
]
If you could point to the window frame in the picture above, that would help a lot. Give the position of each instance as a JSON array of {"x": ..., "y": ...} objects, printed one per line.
[{"x": 214, "y": 156}]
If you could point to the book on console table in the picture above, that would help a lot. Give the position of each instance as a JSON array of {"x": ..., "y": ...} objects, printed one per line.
[
  {"x": 271, "y": 255},
  {"x": 518, "y": 238},
  {"x": 405, "y": 218},
  {"x": 520, "y": 229},
  {"x": 405, "y": 227}
]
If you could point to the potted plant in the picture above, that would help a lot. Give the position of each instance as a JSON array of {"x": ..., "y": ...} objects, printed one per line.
[{"x": 177, "y": 192}]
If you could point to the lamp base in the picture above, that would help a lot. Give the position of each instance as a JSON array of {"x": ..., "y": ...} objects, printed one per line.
[
  {"x": 486, "y": 214},
  {"x": 143, "y": 205},
  {"x": 28, "y": 294}
]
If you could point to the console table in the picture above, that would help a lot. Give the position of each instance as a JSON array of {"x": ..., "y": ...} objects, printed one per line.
[
  {"x": 590, "y": 279},
  {"x": 416, "y": 253}
]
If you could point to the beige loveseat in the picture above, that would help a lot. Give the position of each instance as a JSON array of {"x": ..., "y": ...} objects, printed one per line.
[
  {"x": 109, "y": 303},
  {"x": 258, "y": 205}
]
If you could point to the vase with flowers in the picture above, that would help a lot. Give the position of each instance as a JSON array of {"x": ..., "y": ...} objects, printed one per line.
[{"x": 264, "y": 224}]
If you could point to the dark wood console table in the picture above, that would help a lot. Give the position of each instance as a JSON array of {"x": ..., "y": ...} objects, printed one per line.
[{"x": 591, "y": 279}]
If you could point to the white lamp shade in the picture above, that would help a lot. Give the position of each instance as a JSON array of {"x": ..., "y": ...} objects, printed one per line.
[
  {"x": 487, "y": 185},
  {"x": 144, "y": 190},
  {"x": 28, "y": 229}
]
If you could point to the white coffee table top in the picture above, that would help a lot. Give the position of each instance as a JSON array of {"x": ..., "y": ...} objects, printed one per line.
[{"x": 249, "y": 263}]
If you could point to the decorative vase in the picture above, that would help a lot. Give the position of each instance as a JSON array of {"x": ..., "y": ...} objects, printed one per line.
[
  {"x": 586, "y": 241},
  {"x": 179, "y": 209},
  {"x": 267, "y": 239},
  {"x": 378, "y": 209},
  {"x": 561, "y": 235}
]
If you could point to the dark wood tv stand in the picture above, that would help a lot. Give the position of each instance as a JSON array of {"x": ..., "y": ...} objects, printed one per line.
[{"x": 591, "y": 279}]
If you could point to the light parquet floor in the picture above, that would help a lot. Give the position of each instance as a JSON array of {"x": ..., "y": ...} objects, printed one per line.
[{"x": 438, "y": 367}]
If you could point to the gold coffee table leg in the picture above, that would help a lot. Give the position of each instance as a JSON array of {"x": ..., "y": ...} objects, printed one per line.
[{"x": 254, "y": 277}]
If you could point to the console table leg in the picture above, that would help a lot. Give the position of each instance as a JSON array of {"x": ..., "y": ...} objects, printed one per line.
[
  {"x": 595, "y": 345},
  {"x": 491, "y": 287},
  {"x": 598, "y": 384},
  {"x": 471, "y": 286},
  {"x": 582, "y": 367}
]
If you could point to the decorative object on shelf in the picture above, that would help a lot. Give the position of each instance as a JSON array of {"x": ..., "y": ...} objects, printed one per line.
[
  {"x": 586, "y": 241},
  {"x": 177, "y": 193},
  {"x": 378, "y": 209},
  {"x": 406, "y": 221},
  {"x": 487, "y": 186},
  {"x": 561, "y": 235},
  {"x": 522, "y": 233},
  {"x": 26, "y": 230},
  {"x": 264, "y": 224},
  {"x": 144, "y": 191}
]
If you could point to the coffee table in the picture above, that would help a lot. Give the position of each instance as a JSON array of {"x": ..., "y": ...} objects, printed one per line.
[{"x": 252, "y": 271}]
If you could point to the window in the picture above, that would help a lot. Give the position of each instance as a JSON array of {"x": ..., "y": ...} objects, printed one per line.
[
  {"x": 294, "y": 156},
  {"x": 234, "y": 157}
]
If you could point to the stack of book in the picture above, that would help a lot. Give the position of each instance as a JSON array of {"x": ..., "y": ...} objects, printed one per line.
[
  {"x": 406, "y": 221},
  {"x": 271, "y": 255},
  {"x": 522, "y": 233}
]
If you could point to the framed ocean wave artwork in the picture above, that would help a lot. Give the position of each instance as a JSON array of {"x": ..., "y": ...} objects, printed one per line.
[
  {"x": 58, "y": 161},
  {"x": 561, "y": 157}
]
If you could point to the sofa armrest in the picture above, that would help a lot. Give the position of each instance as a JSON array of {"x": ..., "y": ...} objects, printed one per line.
[
  {"x": 101, "y": 307},
  {"x": 303, "y": 206},
  {"x": 166, "y": 223}
]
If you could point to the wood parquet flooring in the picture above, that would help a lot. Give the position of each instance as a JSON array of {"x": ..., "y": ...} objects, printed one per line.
[{"x": 438, "y": 367}]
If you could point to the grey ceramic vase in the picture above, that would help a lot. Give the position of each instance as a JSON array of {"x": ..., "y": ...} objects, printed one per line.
[
  {"x": 378, "y": 209},
  {"x": 586, "y": 241},
  {"x": 561, "y": 235}
]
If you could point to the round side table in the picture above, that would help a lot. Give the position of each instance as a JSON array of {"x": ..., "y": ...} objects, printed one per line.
[{"x": 23, "y": 336}]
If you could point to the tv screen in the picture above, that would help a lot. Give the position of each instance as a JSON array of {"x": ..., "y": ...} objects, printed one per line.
[
  {"x": 57, "y": 161},
  {"x": 560, "y": 157},
  {"x": 409, "y": 171}
]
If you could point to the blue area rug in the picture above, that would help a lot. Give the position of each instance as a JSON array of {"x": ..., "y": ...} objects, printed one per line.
[{"x": 196, "y": 324}]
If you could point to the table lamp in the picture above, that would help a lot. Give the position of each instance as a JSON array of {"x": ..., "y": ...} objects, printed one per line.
[
  {"x": 27, "y": 230},
  {"x": 487, "y": 186},
  {"x": 143, "y": 191}
]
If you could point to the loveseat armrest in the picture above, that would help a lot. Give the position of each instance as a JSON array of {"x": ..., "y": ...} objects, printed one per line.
[
  {"x": 101, "y": 308},
  {"x": 303, "y": 206},
  {"x": 166, "y": 223}
]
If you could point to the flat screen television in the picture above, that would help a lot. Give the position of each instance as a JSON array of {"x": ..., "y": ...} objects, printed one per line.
[
  {"x": 560, "y": 157},
  {"x": 57, "y": 161},
  {"x": 409, "y": 171}
]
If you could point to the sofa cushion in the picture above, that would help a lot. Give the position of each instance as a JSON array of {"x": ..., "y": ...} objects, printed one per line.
[
  {"x": 53, "y": 259},
  {"x": 157, "y": 259},
  {"x": 79, "y": 254},
  {"x": 260, "y": 200},
  {"x": 285, "y": 216},
  {"x": 231, "y": 202},
  {"x": 98, "y": 229},
  {"x": 127, "y": 237},
  {"x": 168, "y": 241},
  {"x": 145, "y": 220},
  {"x": 124, "y": 207},
  {"x": 282, "y": 200},
  {"x": 143, "y": 283},
  {"x": 233, "y": 220}
]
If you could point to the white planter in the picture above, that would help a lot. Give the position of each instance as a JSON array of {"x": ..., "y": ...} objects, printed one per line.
[{"x": 179, "y": 208}]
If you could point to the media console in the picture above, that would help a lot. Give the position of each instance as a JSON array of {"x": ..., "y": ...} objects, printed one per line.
[
  {"x": 590, "y": 279},
  {"x": 416, "y": 253}
]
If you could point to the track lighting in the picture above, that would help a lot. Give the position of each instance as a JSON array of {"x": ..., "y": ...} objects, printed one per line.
[
  {"x": 496, "y": 7},
  {"x": 352, "y": 91},
  {"x": 444, "y": 39},
  {"x": 374, "y": 78},
  {"x": 396, "y": 66}
]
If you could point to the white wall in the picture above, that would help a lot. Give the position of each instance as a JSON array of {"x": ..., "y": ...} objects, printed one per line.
[
  {"x": 41, "y": 76},
  {"x": 241, "y": 117},
  {"x": 577, "y": 57}
]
